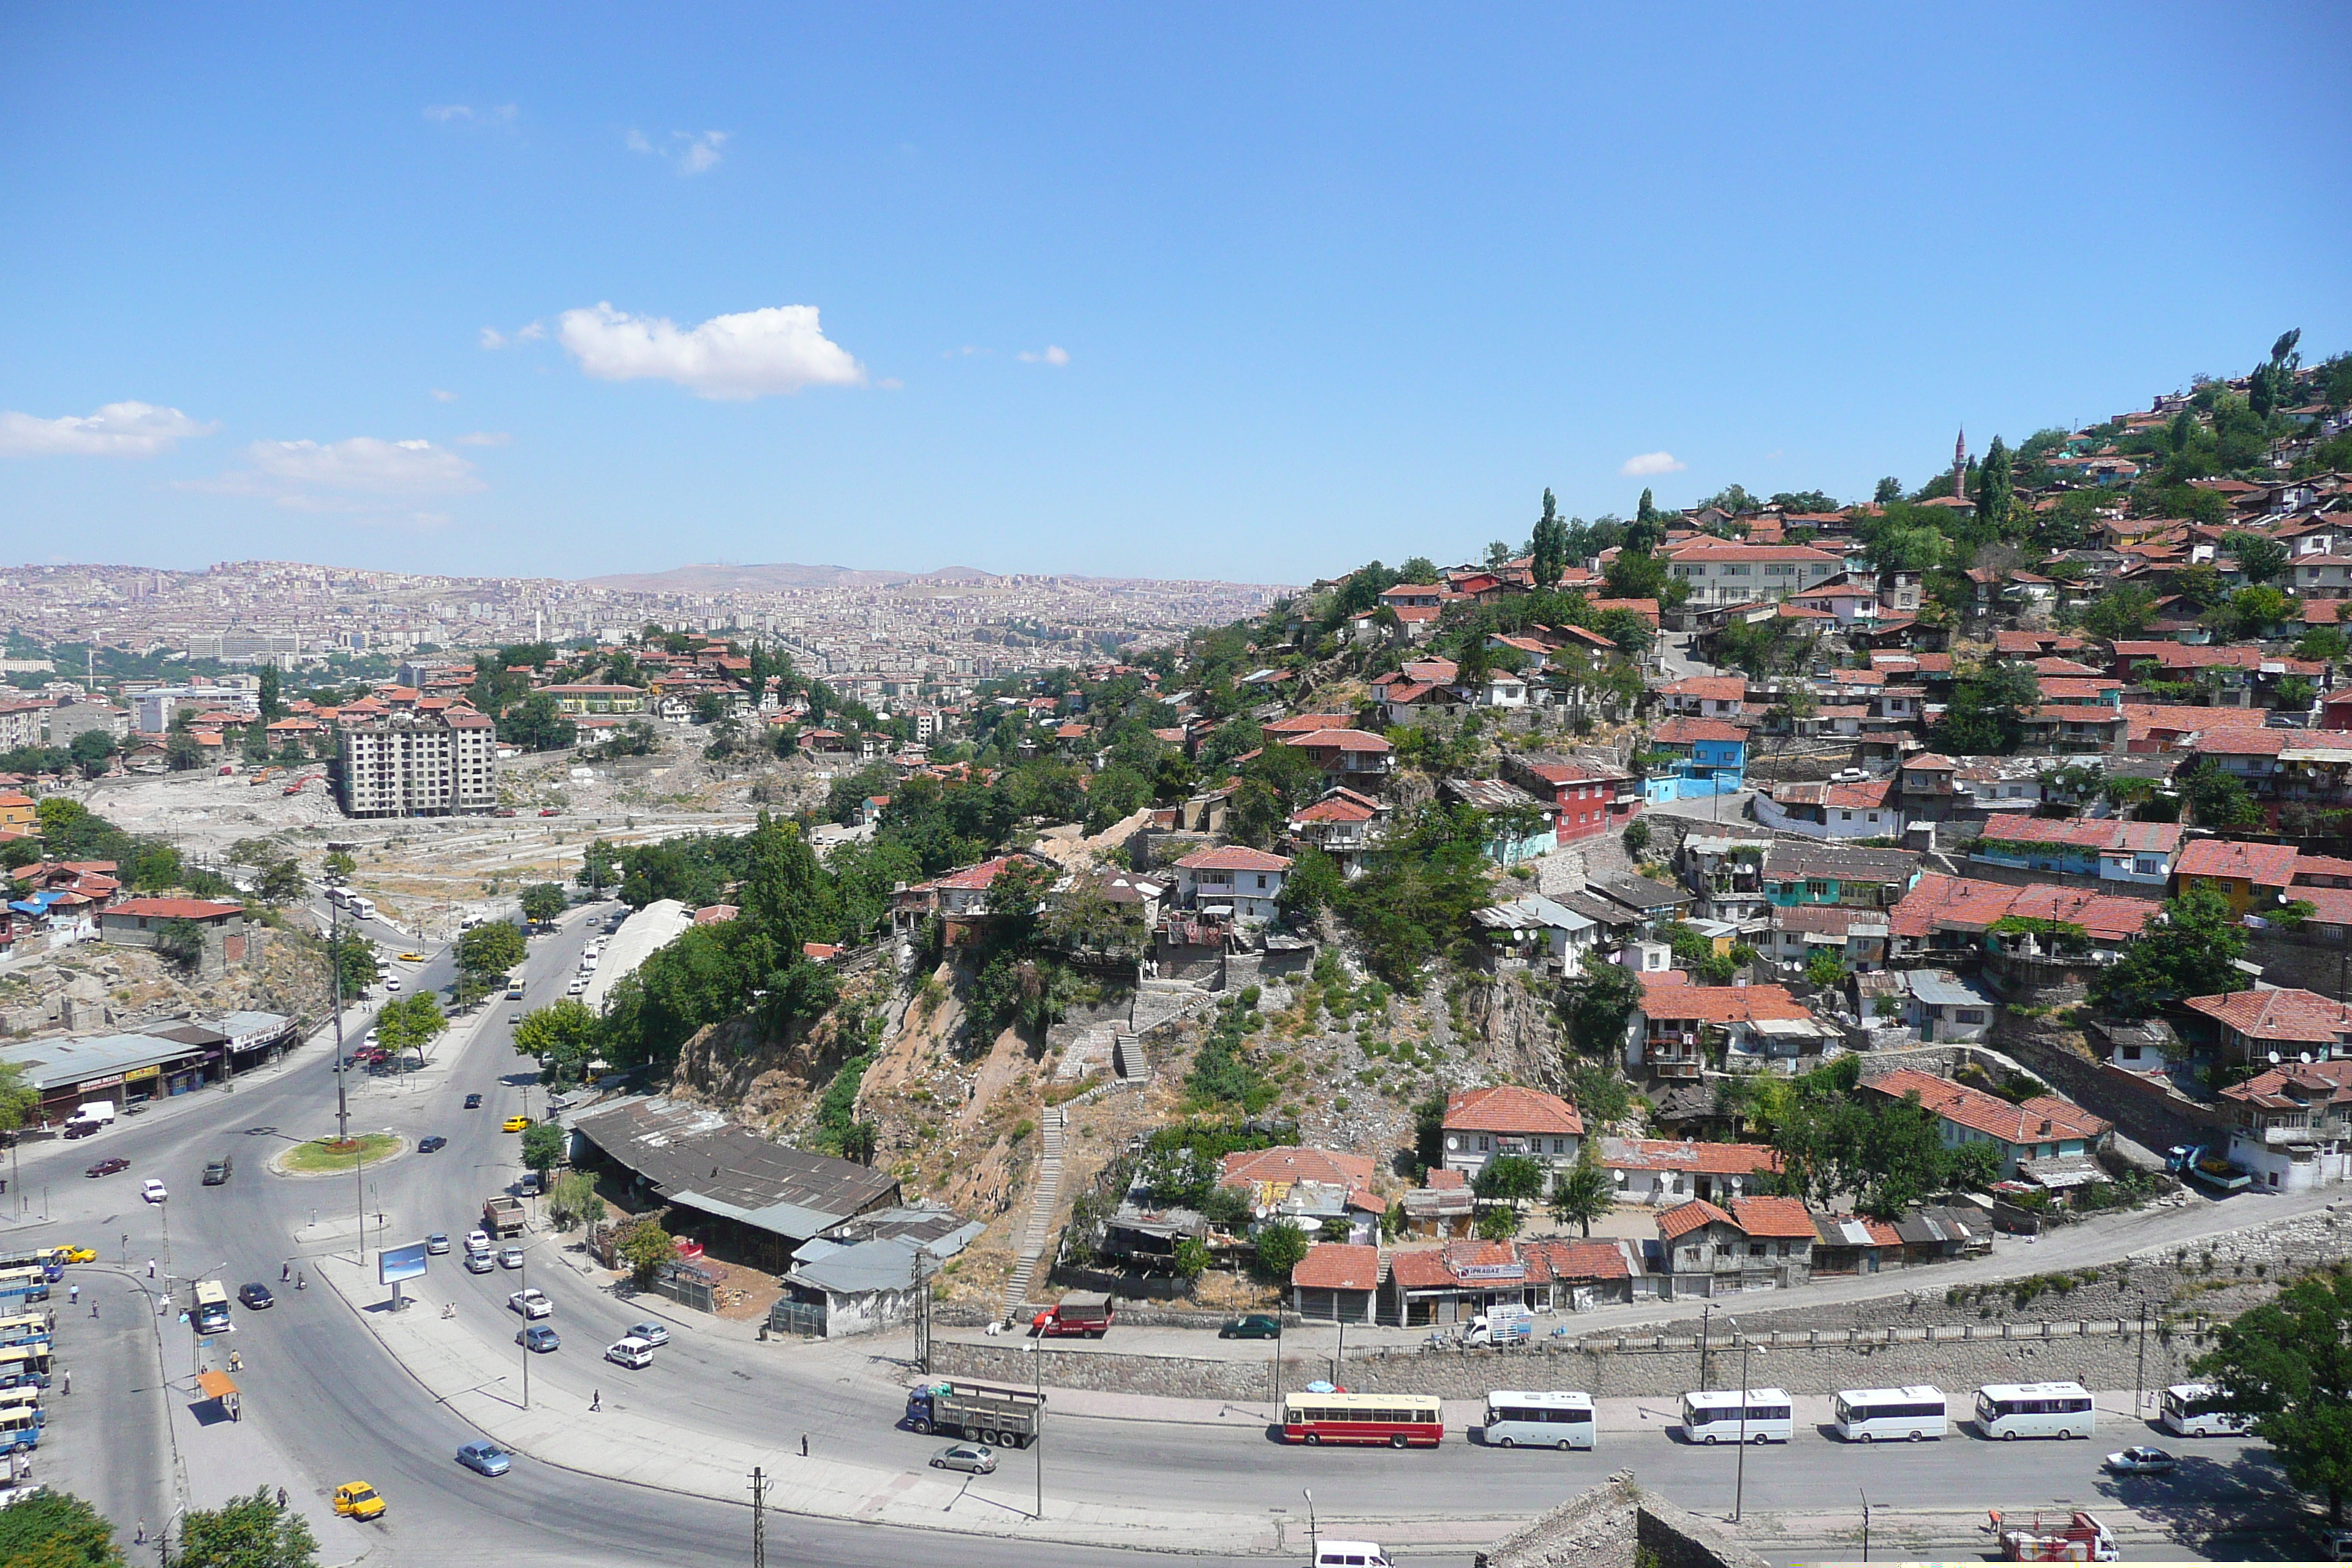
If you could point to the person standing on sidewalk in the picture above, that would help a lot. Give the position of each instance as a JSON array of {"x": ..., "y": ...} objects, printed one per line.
[
  {"x": 596, "y": 1399},
  {"x": 73, "y": 1295},
  {"x": 803, "y": 1445},
  {"x": 65, "y": 1378},
  {"x": 151, "y": 1269}
]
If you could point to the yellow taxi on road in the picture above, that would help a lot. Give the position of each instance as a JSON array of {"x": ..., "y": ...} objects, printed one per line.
[
  {"x": 357, "y": 1499},
  {"x": 514, "y": 1124},
  {"x": 412, "y": 958},
  {"x": 72, "y": 1254}
]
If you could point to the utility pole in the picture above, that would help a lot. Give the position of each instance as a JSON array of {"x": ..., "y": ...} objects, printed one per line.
[
  {"x": 922, "y": 1317},
  {"x": 759, "y": 1517},
  {"x": 1037, "y": 1437},
  {"x": 1865, "y": 1524},
  {"x": 1704, "y": 1313},
  {"x": 2140, "y": 1364},
  {"x": 335, "y": 962}
]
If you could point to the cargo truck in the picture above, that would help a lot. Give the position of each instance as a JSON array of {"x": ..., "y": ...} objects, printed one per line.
[
  {"x": 1087, "y": 1312},
  {"x": 502, "y": 1216},
  {"x": 1005, "y": 1418},
  {"x": 1500, "y": 1326},
  {"x": 2082, "y": 1539}
]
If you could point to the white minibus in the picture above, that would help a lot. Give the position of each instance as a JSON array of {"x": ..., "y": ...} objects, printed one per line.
[
  {"x": 2198, "y": 1410},
  {"x": 1874, "y": 1414},
  {"x": 362, "y": 909},
  {"x": 1559, "y": 1420},
  {"x": 1713, "y": 1415},
  {"x": 2012, "y": 1410}
]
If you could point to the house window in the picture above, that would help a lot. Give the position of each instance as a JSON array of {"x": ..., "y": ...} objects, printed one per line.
[
  {"x": 1968, "y": 1015},
  {"x": 1756, "y": 1249},
  {"x": 1483, "y": 1144},
  {"x": 1817, "y": 889}
]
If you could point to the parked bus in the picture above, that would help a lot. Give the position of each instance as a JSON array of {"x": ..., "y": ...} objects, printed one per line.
[
  {"x": 339, "y": 895},
  {"x": 1562, "y": 1420},
  {"x": 25, "y": 1327},
  {"x": 1397, "y": 1419},
  {"x": 2198, "y": 1410},
  {"x": 1869, "y": 1415},
  {"x": 362, "y": 909},
  {"x": 1713, "y": 1416},
  {"x": 15, "y": 1399},
  {"x": 47, "y": 1260},
  {"x": 20, "y": 1427},
  {"x": 23, "y": 1284},
  {"x": 25, "y": 1366},
  {"x": 212, "y": 1307},
  {"x": 2012, "y": 1410}
]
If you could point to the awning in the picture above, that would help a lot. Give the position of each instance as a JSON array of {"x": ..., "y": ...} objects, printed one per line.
[{"x": 216, "y": 1385}]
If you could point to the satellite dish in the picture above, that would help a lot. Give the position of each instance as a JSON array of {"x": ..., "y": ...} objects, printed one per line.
[
  {"x": 2273, "y": 1058},
  {"x": 2304, "y": 1057}
]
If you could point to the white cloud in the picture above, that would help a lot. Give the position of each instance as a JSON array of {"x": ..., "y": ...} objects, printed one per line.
[
  {"x": 692, "y": 152},
  {"x": 749, "y": 354},
  {"x": 485, "y": 438},
  {"x": 440, "y": 395},
  {"x": 467, "y": 117},
  {"x": 530, "y": 333},
  {"x": 493, "y": 339},
  {"x": 117, "y": 430},
  {"x": 294, "y": 474},
  {"x": 1652, "y": 463},
  {"x": 1052, "y": 354}
]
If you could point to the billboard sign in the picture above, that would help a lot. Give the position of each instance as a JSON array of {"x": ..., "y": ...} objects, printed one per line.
[{"x": 395, "y": 1264}]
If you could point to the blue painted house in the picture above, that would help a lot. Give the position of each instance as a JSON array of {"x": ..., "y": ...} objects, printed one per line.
[
  {"x": 1797, "y": 874},
  {"x": 1708, "y": 757}
]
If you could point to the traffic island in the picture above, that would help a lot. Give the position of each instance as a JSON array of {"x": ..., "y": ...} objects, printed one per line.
[{"x": 338, "y": 1157}]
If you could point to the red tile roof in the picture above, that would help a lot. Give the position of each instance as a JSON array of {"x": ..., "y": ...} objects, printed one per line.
[
  {"x": 1678, "y": 999},
  {"x": 2088, "y": 833},
  {"x": 2290, "y": 1017},
  {"x": 1341, "y": 741},
  {"x": 1565, "y": 1260},
  {"x": 1292, "y": 1164},
  {"x": 1707, "y": 1159},
  {"x": 1507, "y": 1108},
  {"x": 1303, "y": 724},
  {"x": 1336, "y": 1265},
  {"x": 1773, "y": 1217},
  {"x": 176, "y": 908},
  {"x": 1683, "y": 730},
  {"x": 2263, "y": 864},
  {"x": 1721, "y": 687},
  {"x": 1234, "y": 857},
  {"x": 1989, "y": 1113},
  {"x": 1963, "y": 903},
  {"x": 1684, "y": 1219}
]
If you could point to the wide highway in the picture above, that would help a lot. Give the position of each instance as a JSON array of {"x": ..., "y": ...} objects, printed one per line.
[{"x": 331, "y": 1404}]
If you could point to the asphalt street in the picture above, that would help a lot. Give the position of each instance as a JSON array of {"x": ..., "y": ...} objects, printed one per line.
[{"x": 333, "y": 1406}]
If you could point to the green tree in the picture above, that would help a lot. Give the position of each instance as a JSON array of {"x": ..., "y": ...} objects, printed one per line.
[
  {"x": 645, "y": 1249},
  {"x": 543, "y": 903},
  {"x": 339, "y": 864},
  {"x": 409, "y": 1024},
  {"x": 272, "y": 709},
  {"x": 1986, "y": 715},
  {"x": 1996, "y": 491},
  {"x": 18, "y": 1099},
  {"x": 1824, "y": 969},
  {"x": 1281, "y": 1246},
  {"x": 245, "y": 1533},
  {"x": 2288, "y": 1364},
  {"x": 859, "y": 1141},
  {"x": 2262, "y": 560},
  {"x": 1599, "y": 1006},
  {"x": 281, "y": 882},
  {"x": 1549, "y": 546},
  {"x": 573, "y": 1200},
  {"x": 487, "y": 952},
  {"x": 1510, "y": 1178},
  {"x": 2121, "y": 612},
  {"x": 1498, "y": 1224},
  {"x": 182, "y": 941},
  {"x": 2218, "y": 798},
  {"x": 2193, "y": 951},
  {"x": 50, "y": 1529},
  {"x": 537, "y": 724},
  {"x": 1113, "y": 795},
  {"x": 2273, "y": 379},
  {"x": 1636, "y": 838},
  {"x": 562, "y": 1037},
  {"x": 543, "y": 1144},
  {"x": 1890, "y": 488},
  {"x": 600, "y": 865},
  {"x": 182, "y": 751},
  {"x": 90, "y": 751},
  {"x": 354, "y": 958},
  {"x": 1583, "y": 1193},
  {"x": 1313, "y": 884}
]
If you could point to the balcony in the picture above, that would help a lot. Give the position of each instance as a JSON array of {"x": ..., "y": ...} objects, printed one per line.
[{"x": 1672, "y": 1056}]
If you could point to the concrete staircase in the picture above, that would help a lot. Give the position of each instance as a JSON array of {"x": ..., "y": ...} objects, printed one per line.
[
  {"x": 1042, "y": 1203},
  {"x": 1129, "y": 1060}
]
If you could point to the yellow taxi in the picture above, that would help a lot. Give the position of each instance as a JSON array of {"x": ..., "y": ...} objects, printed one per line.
[
  {"x": 412, "y": 958},
  {"x": 514, "y": 1124},
  {"x": 71, "y": 1254},
  {"x": 357, "y": 1499}
]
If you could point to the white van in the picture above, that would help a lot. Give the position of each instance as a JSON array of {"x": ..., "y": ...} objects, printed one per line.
[
  {"x": 2012, "y": 1410},
  {"x": 1715, "y": 1416},
  {"x": 2198, "y": 1410},
  {"x": 632, "y": 1353},
  {"x": 92, "y": 1113},
  {"x": 1516, "y": 1418},
  {"x": 1350, "y": 1554},
  {"x": 1890, "y": 1415}
]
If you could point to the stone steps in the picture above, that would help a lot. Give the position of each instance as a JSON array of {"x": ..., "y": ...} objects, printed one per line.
[
  {"x": 1130, "y": 1059},
  {"x": 1042, "y": 1203}
]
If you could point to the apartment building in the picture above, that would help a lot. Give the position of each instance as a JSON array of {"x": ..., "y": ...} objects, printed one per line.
[{"x": 418, "y": 764}]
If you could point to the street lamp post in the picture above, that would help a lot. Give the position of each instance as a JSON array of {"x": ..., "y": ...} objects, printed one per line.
[
  {"x": 1037, "y": 1437},
  {"x": 1865, "y": 1524},
  {"x": 1739, "y": 1481},
  {"x": 525, "y": 1273},
  {"x": 1704, "y": 1314},
  {"x": 335, "y": 958},
  {"x": 1313, "y": 1539}
]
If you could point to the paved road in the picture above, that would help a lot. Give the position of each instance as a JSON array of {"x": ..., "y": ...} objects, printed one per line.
[{"x": 325, "y": 1404}]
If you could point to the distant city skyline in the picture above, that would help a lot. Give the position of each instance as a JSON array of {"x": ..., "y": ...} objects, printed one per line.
[{"x": 1219, "y": 296}]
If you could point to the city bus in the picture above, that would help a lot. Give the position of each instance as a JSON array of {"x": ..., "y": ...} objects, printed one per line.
[
  {"x": 1562, "y": 1420},
  {"x": 2012, "y": 1410},
  {"x": 1713, "y": 1416},
  {"x": 44, "y": 1258},
  {"x": 1400, "y": 1420},
  {"x": 25, "y": 1327},
  {"x": 362, "y": 909},
  {"x": 20, "y": 1427},
  {"x": 23, "y": 1284},
  {"x": 1869, "y": 1415},
  {"x": 25, "y": 1366},
  {"x": 212, "y": 1307},
  {"x": 2198, "y": 1410}
]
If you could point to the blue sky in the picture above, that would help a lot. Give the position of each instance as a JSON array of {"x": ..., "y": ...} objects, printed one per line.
[{"x": 1244, "y": 292}]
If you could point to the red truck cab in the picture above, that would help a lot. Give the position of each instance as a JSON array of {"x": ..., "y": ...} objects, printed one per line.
[{"x": 1087, "y": 1312}]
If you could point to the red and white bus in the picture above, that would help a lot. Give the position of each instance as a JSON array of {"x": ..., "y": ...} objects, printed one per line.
[{"x": 1399, "y": 1420}]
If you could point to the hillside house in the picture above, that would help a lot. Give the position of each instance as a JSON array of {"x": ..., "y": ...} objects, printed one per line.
[
  {"x": 2253, "y": 877},
  {"x": 2042, "y": 1128},
  {"x": 1588, "y": 797},
  {"x": 1663, "y": 1172},
  {"x": 1483, "y": 1124},
  {"x": 1235, "y": 878},
  {"x": 1798, "y": 873},
  {"x": 2277, "y": 1025},
  {"x": 2293, "y": 1125},
  {"x": 1754, "y": 1243},
  {"x": 1679, "y": 1030},
  {"x": 2110, "y": 848}
]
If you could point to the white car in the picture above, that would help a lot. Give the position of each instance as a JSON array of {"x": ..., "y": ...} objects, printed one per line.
[
  {"x": 632, "y": 1353},
  {"x": 651, "y": 1333},
  {"x": 2140, "y": 1462},
  {"x": 478, "y": 1241},
  {"x": 510, "y": 1258},
  {"x": 532, "y": 1303},
  {"x": 392, "y": 983},
  {"x": 152, "y": 1191},
  {"x": 479, "y": 1263}
]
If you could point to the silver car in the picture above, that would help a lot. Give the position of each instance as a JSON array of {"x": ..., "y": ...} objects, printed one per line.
[
  {"x": 978, "y": 1458},
  {"x": 511, "y": 1257}
]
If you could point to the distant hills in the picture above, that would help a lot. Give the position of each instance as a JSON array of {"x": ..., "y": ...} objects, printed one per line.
[{"x": 721, "y": 579}]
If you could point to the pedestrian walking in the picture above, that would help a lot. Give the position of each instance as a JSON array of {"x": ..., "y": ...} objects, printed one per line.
[
  {"x": 141, "y": 1538},
  {"x": 285, "y": 1272},
  {"x": 596, "y": 1399},
  {"x": 73, "y": 1295},
  {"x": 66, "y": 1377},
  {"x": 93, "y": 1308},
  {"x": 281, "y": 1496},
  {"x": 151, "y": 1269},
  {"x": 803, "y": 1445}
]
